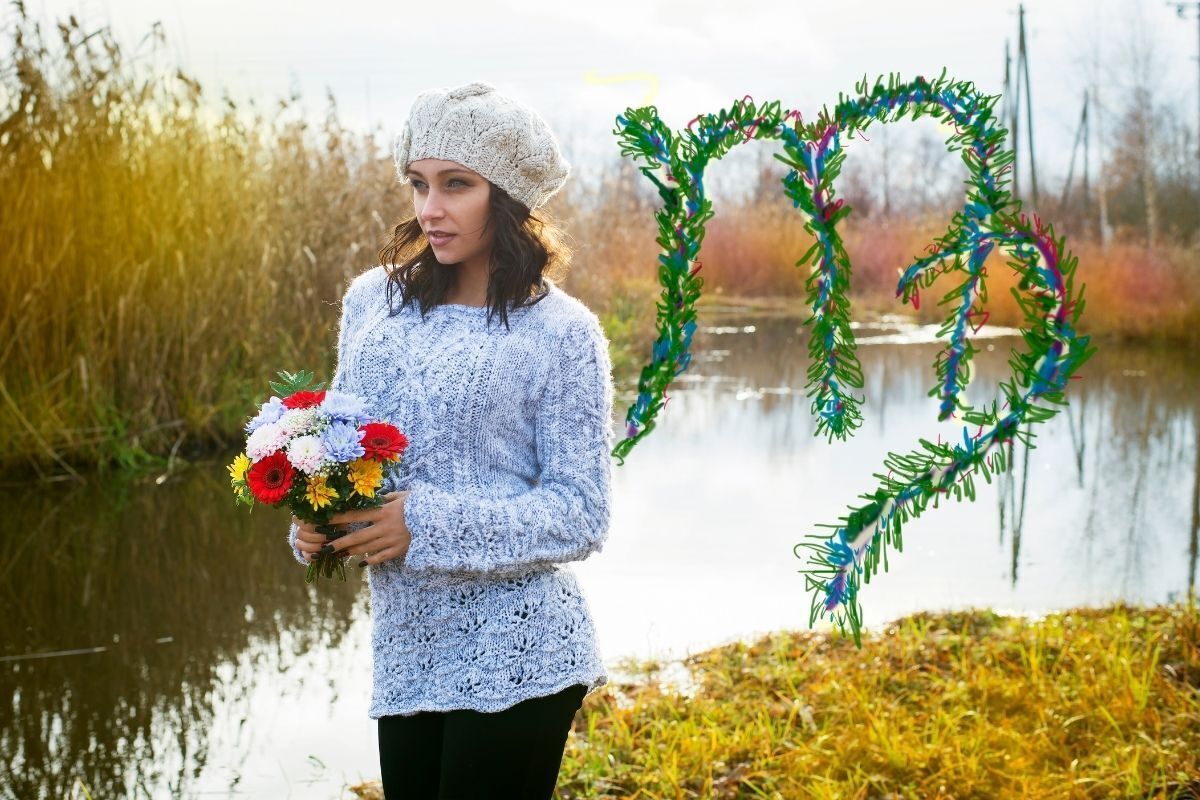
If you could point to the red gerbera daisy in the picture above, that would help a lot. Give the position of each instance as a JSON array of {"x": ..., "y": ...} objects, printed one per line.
[
  {"x": 304, "y": 399},
  {"x": 270, "y": 478},
  {"x": 383, "y": 442}
]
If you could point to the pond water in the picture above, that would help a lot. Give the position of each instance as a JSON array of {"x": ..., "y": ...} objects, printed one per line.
[{"x": 160, "y": 642}]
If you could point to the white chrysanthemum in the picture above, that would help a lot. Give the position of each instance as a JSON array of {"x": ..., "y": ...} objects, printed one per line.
[
  {"x": 298, "y": 420},
  {"x": 307, "y": 454},
  {"x": 265, "y": 440}
]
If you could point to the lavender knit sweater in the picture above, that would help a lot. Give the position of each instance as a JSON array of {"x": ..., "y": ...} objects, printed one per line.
[{"x": 510, "y": 435}]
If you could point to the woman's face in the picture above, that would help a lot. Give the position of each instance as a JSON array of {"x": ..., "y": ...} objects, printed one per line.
[{"x": 449, "y": 198}]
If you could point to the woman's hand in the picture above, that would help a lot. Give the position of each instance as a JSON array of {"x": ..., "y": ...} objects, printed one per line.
[
  {"x": 308, "y": 541},
  {"x": 386, "y": 538}
]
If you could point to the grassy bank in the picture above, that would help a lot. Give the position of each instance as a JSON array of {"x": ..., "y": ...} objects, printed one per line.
[
  {"x": 1088, "y": 703},
  {"x": 165, "y": 252}
]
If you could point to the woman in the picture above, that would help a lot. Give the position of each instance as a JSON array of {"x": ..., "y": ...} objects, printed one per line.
[{"x": 484, "y": 646}]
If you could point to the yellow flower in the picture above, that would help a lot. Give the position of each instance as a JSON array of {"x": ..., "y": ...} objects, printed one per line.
[
  {"x": 366, "y": 475},
  {"x": 237, "y": 470},
  {"x": 319, "y": 493}
]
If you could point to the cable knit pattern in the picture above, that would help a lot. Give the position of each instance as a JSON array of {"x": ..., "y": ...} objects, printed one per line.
[{"x": 509, "y": 468}]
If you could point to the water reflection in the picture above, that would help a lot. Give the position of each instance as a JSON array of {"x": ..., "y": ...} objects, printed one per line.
[
  {"x": 135, "y": 614},
  {"x": 159, "y": 641},
  {"x": 710, "y": 513}
]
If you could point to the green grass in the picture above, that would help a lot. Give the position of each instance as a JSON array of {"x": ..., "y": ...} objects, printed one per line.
[{"x": 1083, "y": 704}]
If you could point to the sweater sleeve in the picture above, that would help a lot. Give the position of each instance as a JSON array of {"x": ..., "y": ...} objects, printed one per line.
[
  {"x": 350, "y": 319},
  {"x": 566, "y": 516}
]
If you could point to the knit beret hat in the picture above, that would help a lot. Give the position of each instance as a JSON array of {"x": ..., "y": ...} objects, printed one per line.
[{"x": 486, "y": 131}]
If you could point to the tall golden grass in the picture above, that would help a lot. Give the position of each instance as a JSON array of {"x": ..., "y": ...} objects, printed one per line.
[
  {"x": 160, "y": 257},
  {"x": 165, "y": 252}
]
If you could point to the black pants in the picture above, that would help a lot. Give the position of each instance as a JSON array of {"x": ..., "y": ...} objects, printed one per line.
[{"x": 454, "y": 755}]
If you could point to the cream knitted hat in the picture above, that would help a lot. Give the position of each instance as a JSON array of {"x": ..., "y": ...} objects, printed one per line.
[{"x": 488, "y": 132}]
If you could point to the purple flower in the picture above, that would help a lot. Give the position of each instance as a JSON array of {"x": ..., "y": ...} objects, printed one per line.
[
  {"x": 342, "y": 441},
  {"x": 271, "y": 411},
  {"x": 342, "y": 407}
]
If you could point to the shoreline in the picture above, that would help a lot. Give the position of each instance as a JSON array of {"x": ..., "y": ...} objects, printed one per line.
[
  {"x": 936, "y": 704},
  {"x": 629, "y": 345}
]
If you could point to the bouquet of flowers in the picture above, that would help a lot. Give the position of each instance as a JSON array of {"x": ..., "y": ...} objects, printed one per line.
[{"x": 317, "y": 453}]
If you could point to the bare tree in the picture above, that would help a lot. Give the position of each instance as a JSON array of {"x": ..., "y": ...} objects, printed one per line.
[{"x": 1142, "y": 68}]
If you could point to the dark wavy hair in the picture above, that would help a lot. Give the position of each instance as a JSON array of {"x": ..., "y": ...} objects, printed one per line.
[{"x": 528, "y": 245}]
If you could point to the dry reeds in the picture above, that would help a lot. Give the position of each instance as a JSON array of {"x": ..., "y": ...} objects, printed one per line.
[{"x": 160, "y": 259}]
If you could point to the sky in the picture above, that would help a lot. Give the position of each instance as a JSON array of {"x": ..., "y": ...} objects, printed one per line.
[{"x": 581, "y": 64}]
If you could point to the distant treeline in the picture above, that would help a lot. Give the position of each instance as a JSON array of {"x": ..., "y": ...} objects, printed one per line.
[{"x": 164, "y": 251}]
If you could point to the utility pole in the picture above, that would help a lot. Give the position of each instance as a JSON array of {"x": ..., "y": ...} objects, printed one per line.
[
  {"x": 1012, "y": 84},
  {"x": 1008, "y": 113},
  {"x": 1082, "y": 135},
  {"x": 1023, "y": 63},
  {"x": 1101, "y": 174}
]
